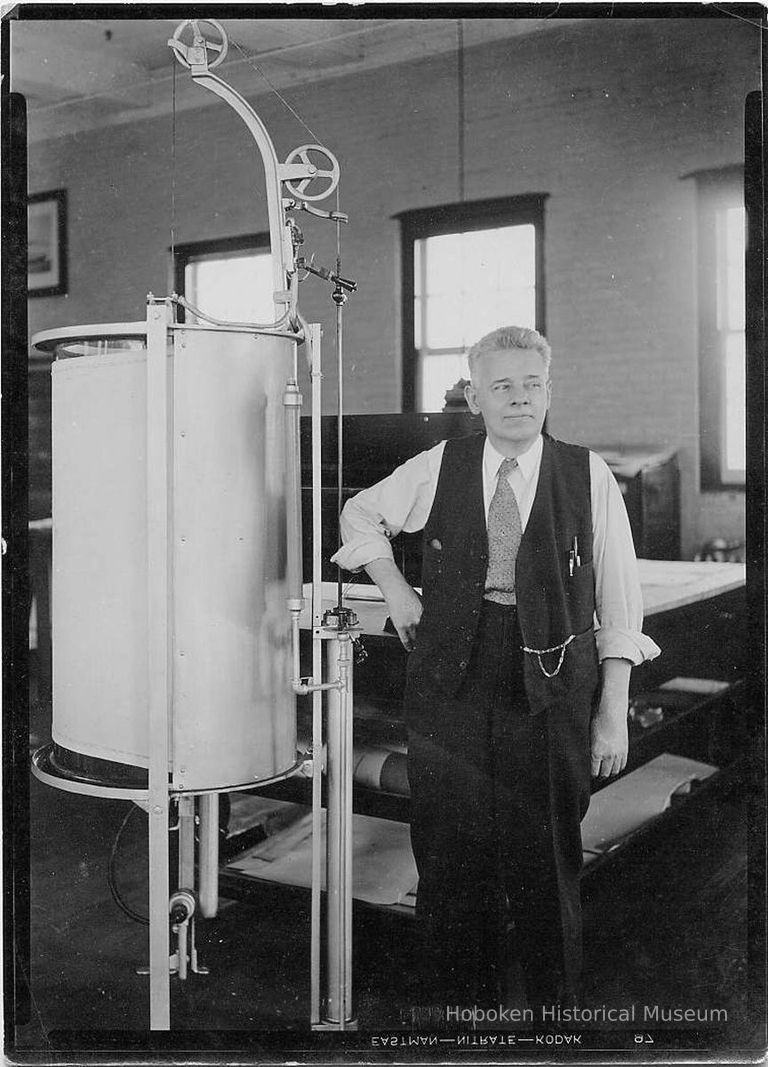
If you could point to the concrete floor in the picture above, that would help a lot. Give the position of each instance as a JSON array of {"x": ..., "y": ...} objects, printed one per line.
[{"x": 666, "y": 923}]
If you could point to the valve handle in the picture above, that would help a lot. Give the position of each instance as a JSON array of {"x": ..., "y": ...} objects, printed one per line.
[
  {"x": 326, "y": 168},
  {"x": 183, "y": 50}
]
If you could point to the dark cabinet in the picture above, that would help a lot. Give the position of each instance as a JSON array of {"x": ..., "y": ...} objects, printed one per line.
[{"x": 650, "y": 484}]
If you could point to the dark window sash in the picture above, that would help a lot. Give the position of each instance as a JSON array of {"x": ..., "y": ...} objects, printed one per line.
[
  {"x": 716, "y": 190},
  {"x": 524, "y": 210}
]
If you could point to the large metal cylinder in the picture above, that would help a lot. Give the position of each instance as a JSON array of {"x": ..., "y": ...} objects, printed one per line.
[{"x": 233, "y": 713}]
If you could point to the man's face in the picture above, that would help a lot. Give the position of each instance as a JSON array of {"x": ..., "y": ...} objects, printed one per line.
[{"x": 512, "y": 391}]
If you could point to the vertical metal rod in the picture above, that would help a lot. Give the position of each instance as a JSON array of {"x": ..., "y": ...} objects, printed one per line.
[
  {"x": 173, "y": 165},
  {"x": 314, "y": 332},
  {"x": 208, "y": 858},
  {"x": 339, "y": 424},
  {"x": 339, "y": 832},
  {"x": 317, "y": 830},
  {"x": 158, "y": 659},
  {"x": 186, "y": 842},
  {"x": 346, "y": 762},
  {"x": 460, "y": 119}
]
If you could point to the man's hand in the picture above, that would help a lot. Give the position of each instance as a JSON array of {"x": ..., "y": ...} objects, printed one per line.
[
  {"x": 403, "y": 602},
  {"x": 609, "y": 730},
  {"x": 405, "y": 612}
]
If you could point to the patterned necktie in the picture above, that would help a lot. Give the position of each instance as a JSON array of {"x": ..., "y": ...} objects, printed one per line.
[{"x": 505, "y": 532}]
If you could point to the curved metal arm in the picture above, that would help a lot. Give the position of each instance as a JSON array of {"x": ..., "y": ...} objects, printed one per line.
[{"x": 277, "y": 234}]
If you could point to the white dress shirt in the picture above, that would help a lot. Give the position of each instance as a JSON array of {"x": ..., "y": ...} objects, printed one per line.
[{"x": 404, "y": 500}]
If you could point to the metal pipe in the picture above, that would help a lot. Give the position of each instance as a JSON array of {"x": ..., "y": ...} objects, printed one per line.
[
  {"x": 294, "y": 574},
  {"x": 339, "y": 428},
  {"x": 208, "y": 857},
  {"x": 257, "y": 327},
  {"x": 289, "y": 334},
  {"x": 317, "y": 859},
  {"x": 339, "y": 833},
  {"x": 313, "y": 336},
  {"x": 298, "y": 686}
]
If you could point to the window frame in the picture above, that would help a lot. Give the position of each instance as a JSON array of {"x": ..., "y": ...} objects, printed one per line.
[
  {"x": 524, "y": 210},
  {"x": 715, "y": 189},
  {"x": 217, "y": 247}
]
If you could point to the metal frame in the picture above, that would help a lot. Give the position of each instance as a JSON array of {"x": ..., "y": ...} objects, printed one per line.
[
  {"x": 339, "y": 689},
  {"x": 316, "y": 375},
  {"x": 159, "y": 594},
  {"x": 339, "y": 834}
]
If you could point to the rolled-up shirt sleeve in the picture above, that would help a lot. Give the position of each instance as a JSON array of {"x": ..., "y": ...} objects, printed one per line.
[
  {"x": 618, "y": 595},
  {"x": 402, "y": 501}
]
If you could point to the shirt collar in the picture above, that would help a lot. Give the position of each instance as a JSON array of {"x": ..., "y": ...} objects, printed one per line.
[{"x": 527, "y": 462}]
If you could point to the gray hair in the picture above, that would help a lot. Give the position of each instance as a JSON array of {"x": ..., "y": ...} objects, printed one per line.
[{"x": 507, "y": 337}]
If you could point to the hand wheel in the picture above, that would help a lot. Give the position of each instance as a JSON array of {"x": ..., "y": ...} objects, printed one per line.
[
  {"x": 326, "y": 168},
  {"x": 199, "y": 40}
]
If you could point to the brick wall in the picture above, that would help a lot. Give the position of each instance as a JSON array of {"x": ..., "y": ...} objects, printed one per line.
[{"x": 607, "y": 117}]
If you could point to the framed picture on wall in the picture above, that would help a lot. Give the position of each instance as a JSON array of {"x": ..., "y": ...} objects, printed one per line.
[{"x": 47, "y": 243}]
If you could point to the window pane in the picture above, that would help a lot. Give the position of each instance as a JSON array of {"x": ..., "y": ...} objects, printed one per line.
[
  {"x": 235, "y": 288},
  {"x": 730, "y": 281},
  {"x": 735, "y": 459},
  {"x": 438, "y": 375},
  {"x": 443, "y": 257},
  {"x": 475, "y": 281},
  {"x": 444, "y": 322}
]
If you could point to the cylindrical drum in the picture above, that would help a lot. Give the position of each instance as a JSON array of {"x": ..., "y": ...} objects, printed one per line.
[{"x": 233, "y": 712}]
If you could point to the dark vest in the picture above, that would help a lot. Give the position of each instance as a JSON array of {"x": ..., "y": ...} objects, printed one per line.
[{"x": 553, "y": 605}]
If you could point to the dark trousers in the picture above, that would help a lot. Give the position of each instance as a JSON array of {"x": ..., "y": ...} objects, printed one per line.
[{"x": 497, "y": 796}]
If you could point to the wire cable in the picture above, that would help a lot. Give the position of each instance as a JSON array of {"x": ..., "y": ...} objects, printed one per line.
[
  {"x": 340, "y": 301},
  {"x": 112, "y": 879},
  {"x": 173, "y": 167},
  {"x": 249, "y": 59},
  {"x": 276, "y": 325},
  {"x": 460, "y": 121}
]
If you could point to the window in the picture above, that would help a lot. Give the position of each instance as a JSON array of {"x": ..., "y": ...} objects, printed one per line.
[
  {"x": 722, "y": 251},
  {"x": 229, "y": 279},
  {"x": 467, "y": 268}
]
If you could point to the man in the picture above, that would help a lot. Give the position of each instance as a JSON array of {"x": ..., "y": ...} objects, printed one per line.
[{"x": 512, "y": 696}]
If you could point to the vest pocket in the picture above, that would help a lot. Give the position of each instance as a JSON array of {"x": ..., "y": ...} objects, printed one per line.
[
  {"x": 579, "y": 673},
  {"x": 579, "y": 598}
]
